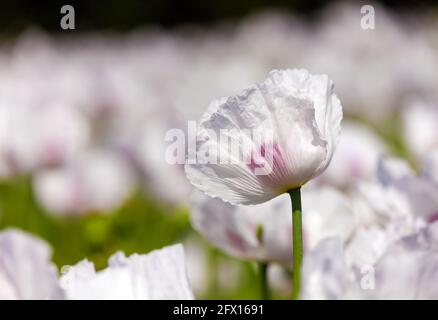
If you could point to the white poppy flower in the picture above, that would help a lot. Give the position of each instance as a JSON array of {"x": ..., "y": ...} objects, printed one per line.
[
  {"x": 366, "y": 247},
  {"x": 298, "y": 118},
  {"x": 375, "y": 203},
  {"x": 328, "y": 213},
  {"x": 430, "y": 167},
  {"x": 198, "y": 262},
  {"x": 407, "y": 274},
  {"x": 249, "y": 232},
  {"x": 356, "y": 157},
  {"x": 59, "y": 133},
  {"x": 96, "y": 181},
  {"x": 420, "y": 131},
  {"x": 406, "y": 269},
  {"x": 197, "y": 265},
  {"x": 264, "y": 232},
  {"x": 26, "y": 271},
  {"x": 326, "y": 275},
  {"x": 383, "y": 215},
  {"x": 33, "y": 136},
  {"x": 374, "y": 93},
  {"x": 368, "y": 243},
  {"x": 158, "y": 275},
  {"x": 149, "y": 151},
  {"x": 420, "y": 190}
]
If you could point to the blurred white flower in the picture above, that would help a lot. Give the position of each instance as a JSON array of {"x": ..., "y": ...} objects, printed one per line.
[
  {"x": 406, "y": 270},
  {"x": 430, "y": 167},
  {"x": 420, "y": 132},
  {"x": 420, "y": 190},
  {"x": 366, "y": 246},
  {"x": 158, "y": 275},
  {"x": 26, "y": 271},
  {"x": 383, "y": 215},
  {"x": 406, "y": 274},
  {"x": 165, "y": 180},
  {"x": 203, "y": 279},
  {"x": 97, "y": 181},
  {"x": 371, "y": 92},
  {"x": 326, "y": 275},
  {"x": 282, "y": 36},
  {"x": 299, "y": 118},
  {"x": 388, "y": 78},
  {"x": 197, "y": 265},
  {"x": 327, "y": 213},
  {"x": 16, "y": 149},
  {"x": 31, "y": 138},
  {"x": 233, "y": 72},
  {"x": 59, "y": 134},
  {"x": 66, "y": 124},
  {"x": 356, "y": 157},
  {"x": 375, "y": 204},
  {"x": 264, "y": 232},
  {"x": 279, "y": 279}
]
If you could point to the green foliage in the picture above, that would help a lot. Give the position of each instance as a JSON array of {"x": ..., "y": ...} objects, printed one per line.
[{"x": 142, "y": 224}]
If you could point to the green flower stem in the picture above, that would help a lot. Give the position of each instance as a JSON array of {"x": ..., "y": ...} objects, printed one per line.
[
  {"x": 264, "y": 287},
  {"x": 295, "y": 196}
]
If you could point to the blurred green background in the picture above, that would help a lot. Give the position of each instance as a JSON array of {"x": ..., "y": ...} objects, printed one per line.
[{"x": 139, "y": 226}]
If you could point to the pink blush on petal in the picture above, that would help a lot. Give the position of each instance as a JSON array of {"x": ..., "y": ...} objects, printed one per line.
[
  {"x": 52, "y": 154},
  {"x": 268, "y": 157},
  {"x": 269, "y": 165},
  {"x": 236, "y": 241},
  {"x": 432, "y": 218}
]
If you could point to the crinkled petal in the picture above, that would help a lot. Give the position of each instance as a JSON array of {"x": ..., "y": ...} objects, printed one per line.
[
  {"x": 325, "y": 274},
  {"x": 158, "y": 275},
  {"x": 261, "y": 232},
  {"x": 284, "y": 128},
  {"x": 326, "y": 213},
  {"x": 26, "y": 271}
]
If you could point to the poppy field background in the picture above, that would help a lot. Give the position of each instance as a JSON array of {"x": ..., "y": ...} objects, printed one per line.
[{"x": 164, "y": 65}]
